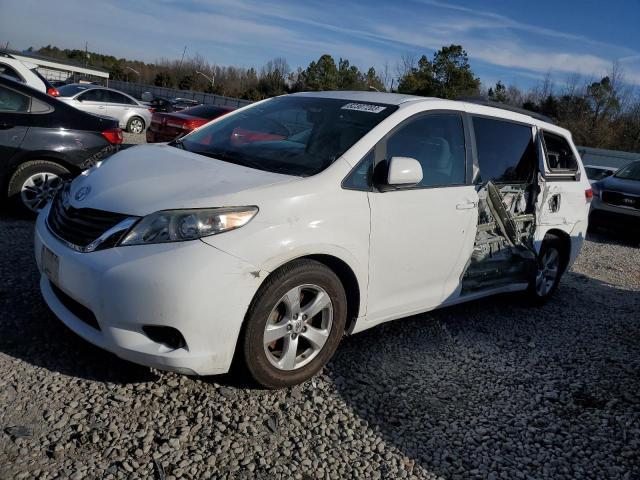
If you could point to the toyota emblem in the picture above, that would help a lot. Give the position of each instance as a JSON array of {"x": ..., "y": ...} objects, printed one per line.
[{"x": 82, "y": 193}]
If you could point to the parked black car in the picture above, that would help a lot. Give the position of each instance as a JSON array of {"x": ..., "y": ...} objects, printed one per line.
[
  {"x": 168, "y": 105},
  {"x": 43, "y": 142},
  {"x": 616, "y": 200}
]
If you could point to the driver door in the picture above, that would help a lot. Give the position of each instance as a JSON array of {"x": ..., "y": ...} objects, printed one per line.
[{"x": 422, "y": 235}]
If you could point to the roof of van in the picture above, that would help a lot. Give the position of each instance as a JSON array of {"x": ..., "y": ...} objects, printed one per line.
[
  {"x": 402, "y": 99},
  {"x": 377, "y": 97}
]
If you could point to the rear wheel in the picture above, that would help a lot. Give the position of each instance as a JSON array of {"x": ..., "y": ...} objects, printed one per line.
[
  {"x": 294, "y": 324},
  {"x": 34, "y": 183},
  {"x": 550, "y": 267},
  {"x": 135, "y": 125}
]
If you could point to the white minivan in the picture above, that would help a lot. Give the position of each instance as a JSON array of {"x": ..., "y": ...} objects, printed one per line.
[{"x": 263, "y": 237}]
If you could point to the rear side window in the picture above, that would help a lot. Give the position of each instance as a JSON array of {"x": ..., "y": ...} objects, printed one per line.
[
  {"x": 95, "y": 95},
  {"x": 12, "y": 101},
  {"x": 9, "y": 72},
  {"x": 437, "y": 142},
  {"x": 560, "y": 157},
  {"x": 115, "y": 97},
  {"x": 506, "y": 151}
]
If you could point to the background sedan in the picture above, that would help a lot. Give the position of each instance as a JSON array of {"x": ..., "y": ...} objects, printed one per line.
[
  {"x": 167, "y": 126},
  {"x": 132, "y": 115}
]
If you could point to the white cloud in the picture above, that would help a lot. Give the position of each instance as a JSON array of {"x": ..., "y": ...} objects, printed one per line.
[{"x": 248, "y": 32}]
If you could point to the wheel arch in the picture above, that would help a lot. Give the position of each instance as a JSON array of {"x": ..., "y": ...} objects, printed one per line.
[
  {"x": 347, "y": 277},
  {"x": 34, "y": 157},
  {"x": 564, "y": 240}
]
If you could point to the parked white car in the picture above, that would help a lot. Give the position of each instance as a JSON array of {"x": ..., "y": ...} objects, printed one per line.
[
  {"x": 132, "y": 115},
  {"x": 268, "y": 234},
  {"x": 25, "y": 72}
]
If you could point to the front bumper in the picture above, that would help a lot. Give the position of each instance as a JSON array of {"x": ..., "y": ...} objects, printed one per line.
[
  {"x": 613, "y": 216},
  {"x": 191, "y": 286}
]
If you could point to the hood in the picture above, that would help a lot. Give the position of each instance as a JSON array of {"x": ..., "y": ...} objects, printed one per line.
[
  {"x": 620, "y": 185},
  {"x": 147, "y": 178}
]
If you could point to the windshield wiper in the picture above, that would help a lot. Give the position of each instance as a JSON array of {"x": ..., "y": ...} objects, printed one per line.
[{"x": 178, "y": 143}]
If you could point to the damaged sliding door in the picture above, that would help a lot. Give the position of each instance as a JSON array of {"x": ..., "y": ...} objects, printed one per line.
[{"x": 507, "y": 186}]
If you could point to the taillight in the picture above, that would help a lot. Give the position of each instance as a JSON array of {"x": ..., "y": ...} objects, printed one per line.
[
  {"x": 113, "y": 136},
  {"x": 151, "y": 110},
  {"x": 53, "y": 92},
  {"x": 185, "y": 124},
  {"x": 193, "y": 124},
  {"x": 588, "y": 194}
]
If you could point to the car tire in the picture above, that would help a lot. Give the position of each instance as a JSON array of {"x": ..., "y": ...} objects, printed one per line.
[
  {"x": 274, "y": 315},
  {"x": 550, "y": 266},
  {"x": 135, "y": 125},
  {"x": 33, "y": 184}
]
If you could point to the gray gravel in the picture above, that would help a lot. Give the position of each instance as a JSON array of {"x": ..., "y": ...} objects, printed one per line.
[
  {"x": 485, "y": 390},
  {"x": 133, "y": 139}
]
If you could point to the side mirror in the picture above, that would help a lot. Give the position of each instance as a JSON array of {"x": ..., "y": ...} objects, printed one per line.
[{"x": 404, "y": 171}]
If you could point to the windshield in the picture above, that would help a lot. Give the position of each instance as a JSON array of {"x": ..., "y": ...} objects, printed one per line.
[
  {"x": 595, "y": 173},
  {"x": 629, "y": 172},
  {"x": 294, "y": 135},
  {"x": 71, "y": 90}
]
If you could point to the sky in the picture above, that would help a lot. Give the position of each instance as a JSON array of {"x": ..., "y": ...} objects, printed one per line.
[{"x": 515, "y": 41}]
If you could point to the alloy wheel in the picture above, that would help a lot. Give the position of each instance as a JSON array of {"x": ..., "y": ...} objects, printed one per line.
[
  {"x": 38, "y": 189},
  {"x": 136, "y": 126},
  {"x": 298, "y": 327},
  {"x": 548, "y": 270}
]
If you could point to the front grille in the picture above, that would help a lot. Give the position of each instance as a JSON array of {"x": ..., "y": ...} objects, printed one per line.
[
  {"x": 79, "y": 310},
  {"x": 79, "y": 226},
  {"x": 621, "y": 199}
]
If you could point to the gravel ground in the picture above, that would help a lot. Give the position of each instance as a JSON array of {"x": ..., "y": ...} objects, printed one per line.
[
  {"x": 133, "y": 138},
  {"x": 484, "y": 390}
]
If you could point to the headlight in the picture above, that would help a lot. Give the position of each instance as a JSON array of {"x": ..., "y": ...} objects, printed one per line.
[{"x": 180, "y": 225}]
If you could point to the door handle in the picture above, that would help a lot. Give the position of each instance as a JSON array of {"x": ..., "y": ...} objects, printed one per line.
[
  {"x": 5, "y": 126},
  {"x": 102, "y": 107},
  {"x": 466, "y": 205}
]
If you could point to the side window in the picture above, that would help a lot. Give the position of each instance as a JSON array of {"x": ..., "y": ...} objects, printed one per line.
[
  {"x": 95, "y": 95},
  {"x": 506, "y": 151},
  {"x": 9, "y": 72},
  {"x": 559, "y": 153},
  {"x": 115, "y": 97},
  {"x": 14, "y": 102},
  {"x": 360, "y": 178},
  {"x": 437, "y": 142}
]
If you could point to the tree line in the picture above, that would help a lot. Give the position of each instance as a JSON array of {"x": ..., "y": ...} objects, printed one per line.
[{"x": 601, "y": 112}]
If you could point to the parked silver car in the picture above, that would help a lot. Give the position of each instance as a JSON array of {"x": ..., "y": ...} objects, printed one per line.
[{"x": 132, "y": 114}]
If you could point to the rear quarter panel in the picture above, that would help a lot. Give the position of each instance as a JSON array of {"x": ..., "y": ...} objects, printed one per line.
[
  {"x": 573, "y": 215},
  {"x": 71, "y": 148}
]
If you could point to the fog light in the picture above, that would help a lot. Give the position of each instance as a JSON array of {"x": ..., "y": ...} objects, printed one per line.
[{"x": 168, "y": 336}]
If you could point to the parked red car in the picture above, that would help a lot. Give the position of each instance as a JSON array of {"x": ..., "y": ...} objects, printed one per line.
[{"x": 168, "y": 126}]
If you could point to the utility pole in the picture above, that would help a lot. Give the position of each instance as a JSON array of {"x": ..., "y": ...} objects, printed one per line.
[{"x": 180, "y": 66}]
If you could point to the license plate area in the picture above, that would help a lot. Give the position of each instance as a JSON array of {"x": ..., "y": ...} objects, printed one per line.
[{"x": 50, "y": 264}]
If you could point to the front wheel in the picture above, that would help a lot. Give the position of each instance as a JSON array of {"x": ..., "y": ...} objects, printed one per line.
[
  {"x": 294, "y": 324},
  {"x": 549, "y": 270}
]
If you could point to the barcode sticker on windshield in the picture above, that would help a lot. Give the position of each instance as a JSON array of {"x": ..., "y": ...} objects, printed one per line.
[{"x": 363, "y": 107}]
